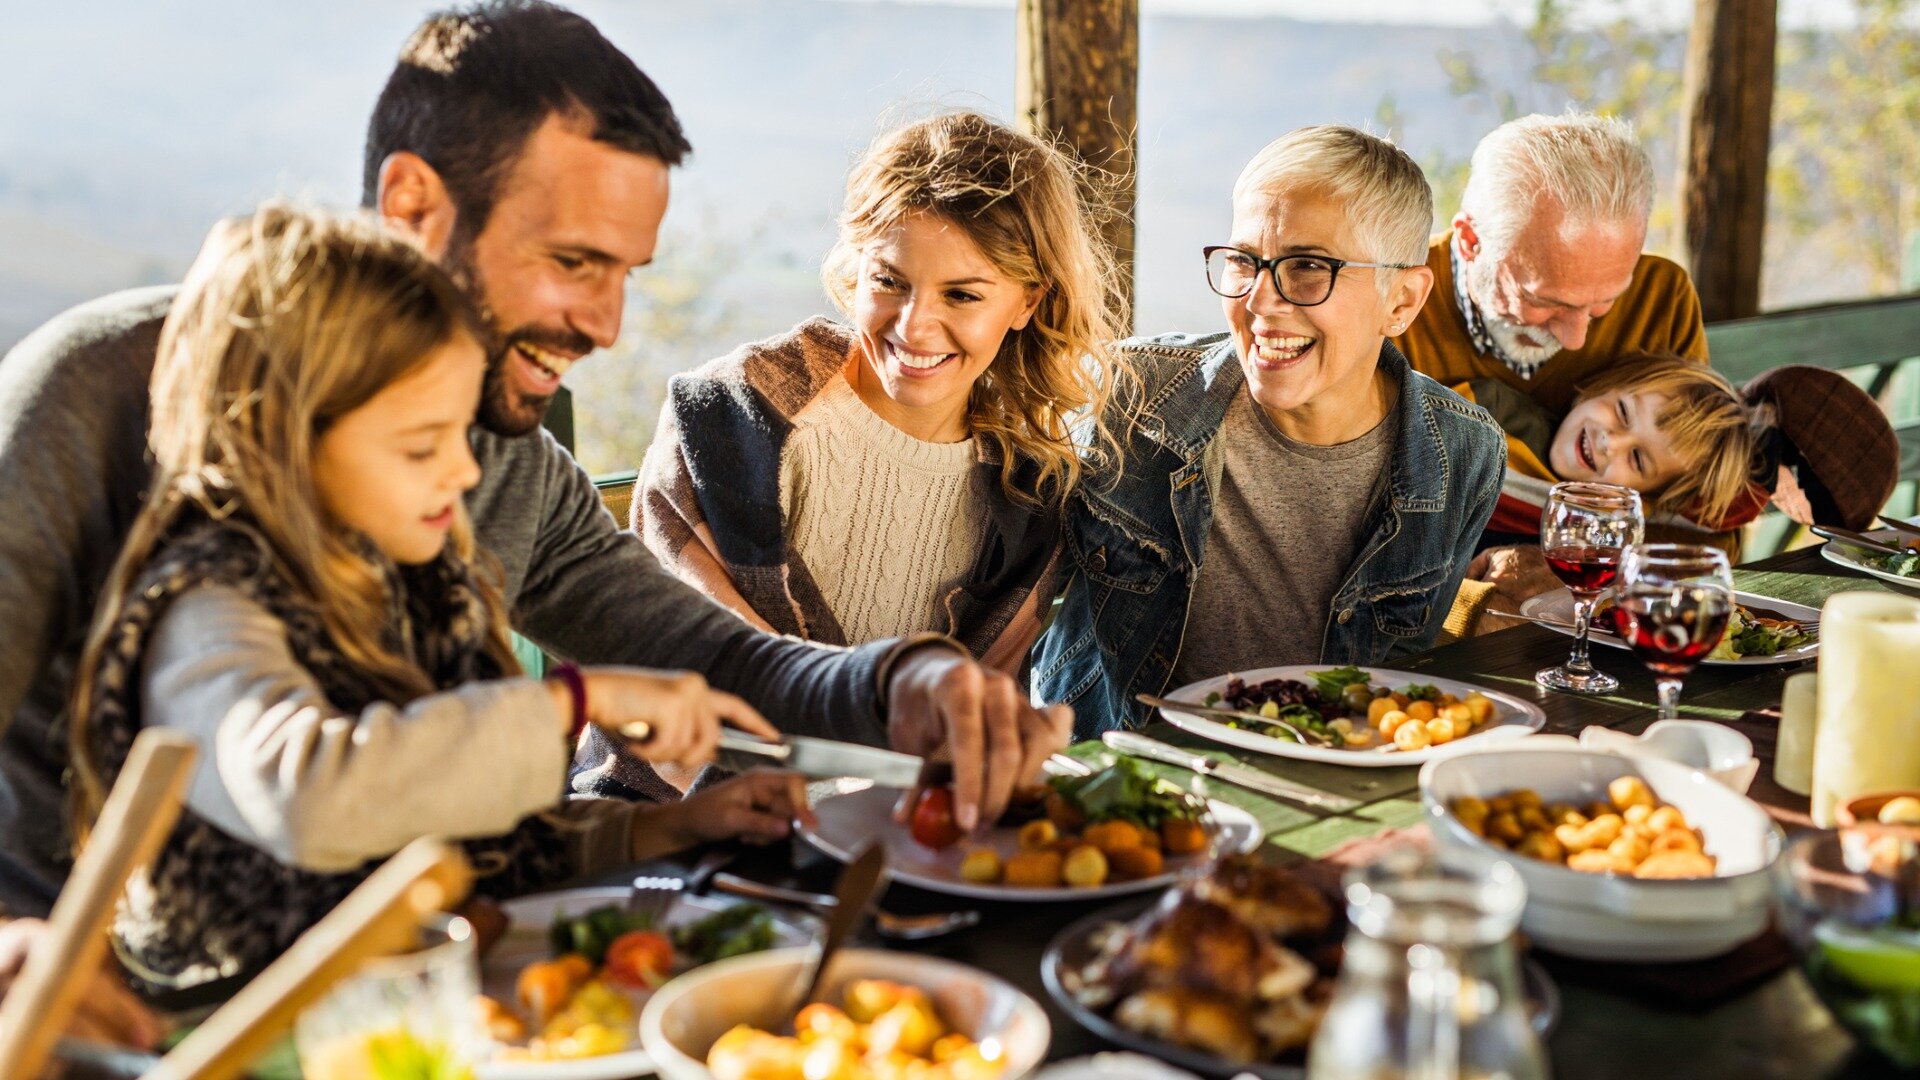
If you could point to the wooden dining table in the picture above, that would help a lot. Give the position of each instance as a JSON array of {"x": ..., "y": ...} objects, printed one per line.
[{"x": 1616, "y": 1021}]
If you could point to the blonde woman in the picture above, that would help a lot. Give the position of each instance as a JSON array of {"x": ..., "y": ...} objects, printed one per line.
[
  {"x": 1293, "y": 492},
  {"x": 903, "y": 471},
  {"x": 300, "y": 594}
]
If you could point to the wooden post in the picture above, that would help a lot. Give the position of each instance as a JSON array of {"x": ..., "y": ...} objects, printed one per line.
[
  {"x": 1078, "y": 82},
  {"x": 1723, "y": 158}
]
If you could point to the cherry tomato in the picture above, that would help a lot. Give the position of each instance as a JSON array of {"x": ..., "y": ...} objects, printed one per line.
[
  {"x": 640, "y": 959},
  {"x": 933, "y": 823}
]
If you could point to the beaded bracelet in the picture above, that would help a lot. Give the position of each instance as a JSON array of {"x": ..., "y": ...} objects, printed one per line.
[{"x": 568, "y": 672}]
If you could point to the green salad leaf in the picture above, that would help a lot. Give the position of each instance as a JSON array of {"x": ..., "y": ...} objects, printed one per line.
[
  {"x": 734, "y": 931},
  {"x": 1125, "y": 790},
  {"x": 1331, "y": 683},
  {"x": 589, "y": 934}
]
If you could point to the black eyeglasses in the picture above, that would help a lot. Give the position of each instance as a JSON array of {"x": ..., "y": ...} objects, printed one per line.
[{"x": 1302, "y": 280}]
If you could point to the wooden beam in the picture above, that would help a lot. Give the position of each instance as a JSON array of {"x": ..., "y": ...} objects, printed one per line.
[
  {"x": 1723, "y": 158},
  {"x": 1078, "y": 80}
]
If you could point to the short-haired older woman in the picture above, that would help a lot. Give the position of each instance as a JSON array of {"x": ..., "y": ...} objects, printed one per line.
[{"x": 1290, "y": 491}]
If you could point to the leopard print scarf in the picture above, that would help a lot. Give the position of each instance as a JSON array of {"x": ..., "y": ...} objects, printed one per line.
[{"x": 212, "y": 905}]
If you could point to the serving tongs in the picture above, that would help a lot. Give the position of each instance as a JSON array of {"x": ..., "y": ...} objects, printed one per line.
[{"x": 1306, "y": 736}]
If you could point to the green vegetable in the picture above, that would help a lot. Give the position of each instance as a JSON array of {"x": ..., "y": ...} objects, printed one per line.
[
  {"x": 1125, "y": 790},
  {"x": 591, "y": 933},
  {"x": 1421, "y": 692},
  {"x": 1332, "y": 683},
  {"x": 1905, "y": 565},
  {"x": 735, "y": 931},
  {"x": 401, "y": 1055}
]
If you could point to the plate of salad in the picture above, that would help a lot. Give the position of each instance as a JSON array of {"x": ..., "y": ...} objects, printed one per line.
[
  {"x": 562, "y": 988},
  {"x": 1116, "y": 831},
  {"x": 1375, "y": 717},
  {"x": 1899, "y": 569},
  {"x": 1761, "y": 631}
]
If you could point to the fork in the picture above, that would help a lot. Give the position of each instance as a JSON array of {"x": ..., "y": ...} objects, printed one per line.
[{"x": 652, "y": 895}]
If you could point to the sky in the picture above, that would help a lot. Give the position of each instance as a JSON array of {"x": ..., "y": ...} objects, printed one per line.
[{"x": 1432, "y": 12}]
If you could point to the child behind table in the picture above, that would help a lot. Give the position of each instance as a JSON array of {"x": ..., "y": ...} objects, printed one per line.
[
  {"x": 301, "y": 594},
  {"x": 1672, "y": 429}
]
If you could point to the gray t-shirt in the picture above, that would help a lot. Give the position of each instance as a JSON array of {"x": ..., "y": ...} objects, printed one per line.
[
  {"x": 1288, "y": 520},
  {"x": 73, "y": 466}
]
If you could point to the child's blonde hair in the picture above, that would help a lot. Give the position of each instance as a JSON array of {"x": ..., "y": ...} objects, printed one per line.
[
  {"x": 1705, "y": 420},
  {"x": 1019, "y": 200},
  {"x": 288, "y": 320}
]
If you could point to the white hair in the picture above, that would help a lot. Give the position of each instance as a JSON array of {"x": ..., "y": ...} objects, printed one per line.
[
  {"x": 1388, "y": 201},
  {"x": 1591, "y": 165}
]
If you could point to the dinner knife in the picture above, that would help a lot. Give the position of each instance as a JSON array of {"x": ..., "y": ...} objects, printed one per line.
[
  {"x": 1232, "y": 772},
  {"x": 1898, "y": 525},
  {"x": 1848, "y": 536},
  {"x": 824, "y": 759}
]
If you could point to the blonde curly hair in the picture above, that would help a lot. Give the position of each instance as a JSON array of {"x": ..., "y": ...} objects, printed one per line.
[{"x": 1026, "y": 205}]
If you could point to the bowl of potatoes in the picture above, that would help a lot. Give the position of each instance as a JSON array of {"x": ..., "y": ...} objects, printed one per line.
[
  {"x": 1624, "y": 858},
  {"x": 885, "y": 1015}
]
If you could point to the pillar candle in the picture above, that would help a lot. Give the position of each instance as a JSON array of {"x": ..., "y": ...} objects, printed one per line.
[{"x": 1867, "y": 738}]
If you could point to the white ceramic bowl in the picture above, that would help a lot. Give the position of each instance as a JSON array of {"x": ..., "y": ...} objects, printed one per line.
[
  {"x": 684, "y": 1017},
  {"x": 1714, "y": 749},
  {"x": 1605, "y": 916}
]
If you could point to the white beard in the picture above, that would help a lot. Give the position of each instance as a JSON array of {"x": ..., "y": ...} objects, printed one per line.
[{"x": 1507, "y": 336}]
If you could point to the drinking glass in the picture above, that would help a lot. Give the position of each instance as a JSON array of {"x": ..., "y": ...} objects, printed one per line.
[
  {"x": 1672, "y": 605},
  {"x": 1582, "y": 532},
  {"x": 410, "y": 1015},
  {"x": 1429, "y": 984}
]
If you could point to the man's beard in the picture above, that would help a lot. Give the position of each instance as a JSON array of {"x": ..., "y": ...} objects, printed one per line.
[
  {"x": 1506, "y": 333},
  {"x": 504, "y": 410},
  {"x": 1506, "y": 336}
]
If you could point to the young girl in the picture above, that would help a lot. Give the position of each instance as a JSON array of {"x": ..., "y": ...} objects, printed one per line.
[
  {"x": 1672, "y": 429},
  {"x": 903, "y": 471},
  {"x": 300, "y": 593}
]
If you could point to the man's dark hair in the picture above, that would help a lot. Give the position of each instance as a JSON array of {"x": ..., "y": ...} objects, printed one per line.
[{"x": 473, "y": 83}]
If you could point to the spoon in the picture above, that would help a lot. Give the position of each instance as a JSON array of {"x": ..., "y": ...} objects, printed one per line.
[{"x": 863, "y": 880}]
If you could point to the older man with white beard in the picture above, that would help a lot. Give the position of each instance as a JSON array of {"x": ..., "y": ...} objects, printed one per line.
[
  {"x": 1541, "y": 282},
  {"x": 1539, "y": 285}
]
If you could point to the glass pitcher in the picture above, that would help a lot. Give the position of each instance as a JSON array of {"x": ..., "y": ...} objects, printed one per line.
[{"x": 1430, "y": 985}]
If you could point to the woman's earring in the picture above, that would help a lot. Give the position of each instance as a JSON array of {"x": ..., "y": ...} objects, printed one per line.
[{"x": 1397, "y": 327}]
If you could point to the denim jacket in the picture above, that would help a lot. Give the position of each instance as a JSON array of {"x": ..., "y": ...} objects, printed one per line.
[{"x": 1135, "y": 544}]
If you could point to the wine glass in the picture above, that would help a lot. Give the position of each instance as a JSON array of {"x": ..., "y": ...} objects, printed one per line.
[
  {"x": 1672, "y": 604},
  {"x": 1582, "y": 532}
]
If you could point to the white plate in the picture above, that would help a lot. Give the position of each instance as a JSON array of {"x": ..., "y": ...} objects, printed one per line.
[
  {"x": 526, "y": 942},
  {"x": 848, "y": 821},
  {"x": 1512, "y": 718},
  {"x": 1559, "y": 605},
  {"x": 1839, "y": 551}
]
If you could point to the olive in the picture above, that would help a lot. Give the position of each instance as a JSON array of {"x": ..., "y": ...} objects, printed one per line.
[{"x": 1356, "y": 696}]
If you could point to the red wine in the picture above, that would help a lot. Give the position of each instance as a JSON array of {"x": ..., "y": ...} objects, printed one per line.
[
  {"x": 1671, "y": 639},
  {"x": 1586, "y": 570}
]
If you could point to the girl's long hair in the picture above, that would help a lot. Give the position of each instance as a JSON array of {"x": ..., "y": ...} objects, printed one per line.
[
  {"x": 1026, "y": 205},
  {"x": 288, "y": 320},
  {"x": 1704, "y": 418}
]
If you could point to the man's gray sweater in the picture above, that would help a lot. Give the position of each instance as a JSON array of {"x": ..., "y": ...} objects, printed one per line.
[{"x": 73, "y": 470}]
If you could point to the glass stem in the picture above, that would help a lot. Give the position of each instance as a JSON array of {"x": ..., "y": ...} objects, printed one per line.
[
  {"x": 1578, "y": 663},
  {"x": 1669, "y": 688}
]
